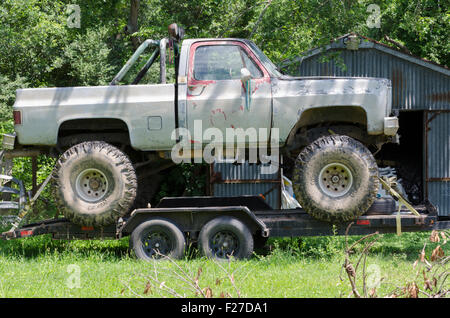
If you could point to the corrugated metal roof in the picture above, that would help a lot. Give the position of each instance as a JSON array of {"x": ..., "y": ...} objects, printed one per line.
[
  {"x": 417, "y": 84},
  {"x": 368, "y": 43}
]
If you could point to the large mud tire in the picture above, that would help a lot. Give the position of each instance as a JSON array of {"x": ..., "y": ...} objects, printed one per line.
[
  {"x": 335, "y": 179},
  {"x": 95, "y": 184}
]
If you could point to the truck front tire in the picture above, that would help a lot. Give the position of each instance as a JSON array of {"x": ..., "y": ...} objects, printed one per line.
[
  {"x": 95, "y": 184},
  {"x": 335, "y": 179}
]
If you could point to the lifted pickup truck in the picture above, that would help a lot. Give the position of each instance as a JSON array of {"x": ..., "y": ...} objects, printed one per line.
[{"x": 108, "y": 137}]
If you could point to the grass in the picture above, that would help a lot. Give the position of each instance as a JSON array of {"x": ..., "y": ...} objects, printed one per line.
[{"x": 308, "y": 267}]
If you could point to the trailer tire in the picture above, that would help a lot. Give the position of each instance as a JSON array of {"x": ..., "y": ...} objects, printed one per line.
[
  {"x": 155, "y": 237},
  {"x": 225, "y": 237},
  {"x": 335, "y": 179},
  {"x": 95, "y": 184}
]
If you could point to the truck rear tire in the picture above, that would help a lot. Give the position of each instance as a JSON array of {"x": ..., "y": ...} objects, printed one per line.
[
  {"x": 156, "y": 238},
  {"x": 95, "y": 184},
  {"x": 225, "y": 237},
  {"x": 335, "y": 179}
]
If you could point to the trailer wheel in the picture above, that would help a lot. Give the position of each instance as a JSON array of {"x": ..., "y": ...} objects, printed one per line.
[
  {"x": 226, "y": 237},
  {"x": 335, "y": 179},
  {"x": 157, "y": 238},
  {"x": 95, "y": 184}
]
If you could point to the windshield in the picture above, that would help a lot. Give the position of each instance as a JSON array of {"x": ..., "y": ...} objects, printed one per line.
[{"x": 265, "y": 60}]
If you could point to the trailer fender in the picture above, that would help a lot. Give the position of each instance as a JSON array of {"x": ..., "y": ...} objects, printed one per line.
[{"x": 192, "y": 219}]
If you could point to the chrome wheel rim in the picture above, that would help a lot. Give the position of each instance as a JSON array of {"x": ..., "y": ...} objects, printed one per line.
[
  {"x": 91, "y": 185},
  {"x": 335, "y": 179}
]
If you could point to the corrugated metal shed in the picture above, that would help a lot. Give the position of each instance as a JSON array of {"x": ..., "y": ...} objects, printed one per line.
[
  {"x": 228, "y": 179},
  {"x": 417, "y": 84},
  {"x": 438, "y": 160}
]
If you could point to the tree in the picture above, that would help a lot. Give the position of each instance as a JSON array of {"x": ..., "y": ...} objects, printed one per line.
[{"x": 132, "y": 26}]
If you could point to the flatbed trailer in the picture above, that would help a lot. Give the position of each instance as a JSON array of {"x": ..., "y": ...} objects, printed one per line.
[{"x": 153, "y": 228}]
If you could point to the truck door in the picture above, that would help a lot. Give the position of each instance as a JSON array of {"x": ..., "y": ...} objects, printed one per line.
[{"x": 216, "y": 95}]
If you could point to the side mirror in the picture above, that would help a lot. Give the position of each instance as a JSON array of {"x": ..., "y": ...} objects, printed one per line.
[
  {"x": 176, "y": 32},
  {"x": 245, "y": 75}
]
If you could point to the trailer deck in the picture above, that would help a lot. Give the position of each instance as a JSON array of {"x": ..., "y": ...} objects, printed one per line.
[{"x": 272, "y": 222}]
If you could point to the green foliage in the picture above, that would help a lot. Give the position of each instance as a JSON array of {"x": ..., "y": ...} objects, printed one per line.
[
  {"x": 423, "y": 26},
  {"x": 323, "y": 247},
  {"x": 33, "y": 33},
  {"x": 45, "y": 51},
  {"x": 8, "y": 89},
  {"x": 88, "y": 56},
  {"x": 183, "y": 180}
]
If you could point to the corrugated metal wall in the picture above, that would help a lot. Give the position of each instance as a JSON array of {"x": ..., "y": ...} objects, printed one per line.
[
  {"x": 438, "y": 161},
  {"x": 229, "y": 179},
  {"x": 414, "y": 86}
]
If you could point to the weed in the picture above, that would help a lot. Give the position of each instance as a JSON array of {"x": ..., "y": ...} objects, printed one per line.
[{"x": 291, "y": 267}]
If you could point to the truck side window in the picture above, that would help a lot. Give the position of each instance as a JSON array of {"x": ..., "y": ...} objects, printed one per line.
[
  {"x": 250, "y": 65},
  {"x": 222, "y": 62}
]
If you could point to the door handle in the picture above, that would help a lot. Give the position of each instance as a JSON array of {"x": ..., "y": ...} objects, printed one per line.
[{"x": 196, "y": 90}]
